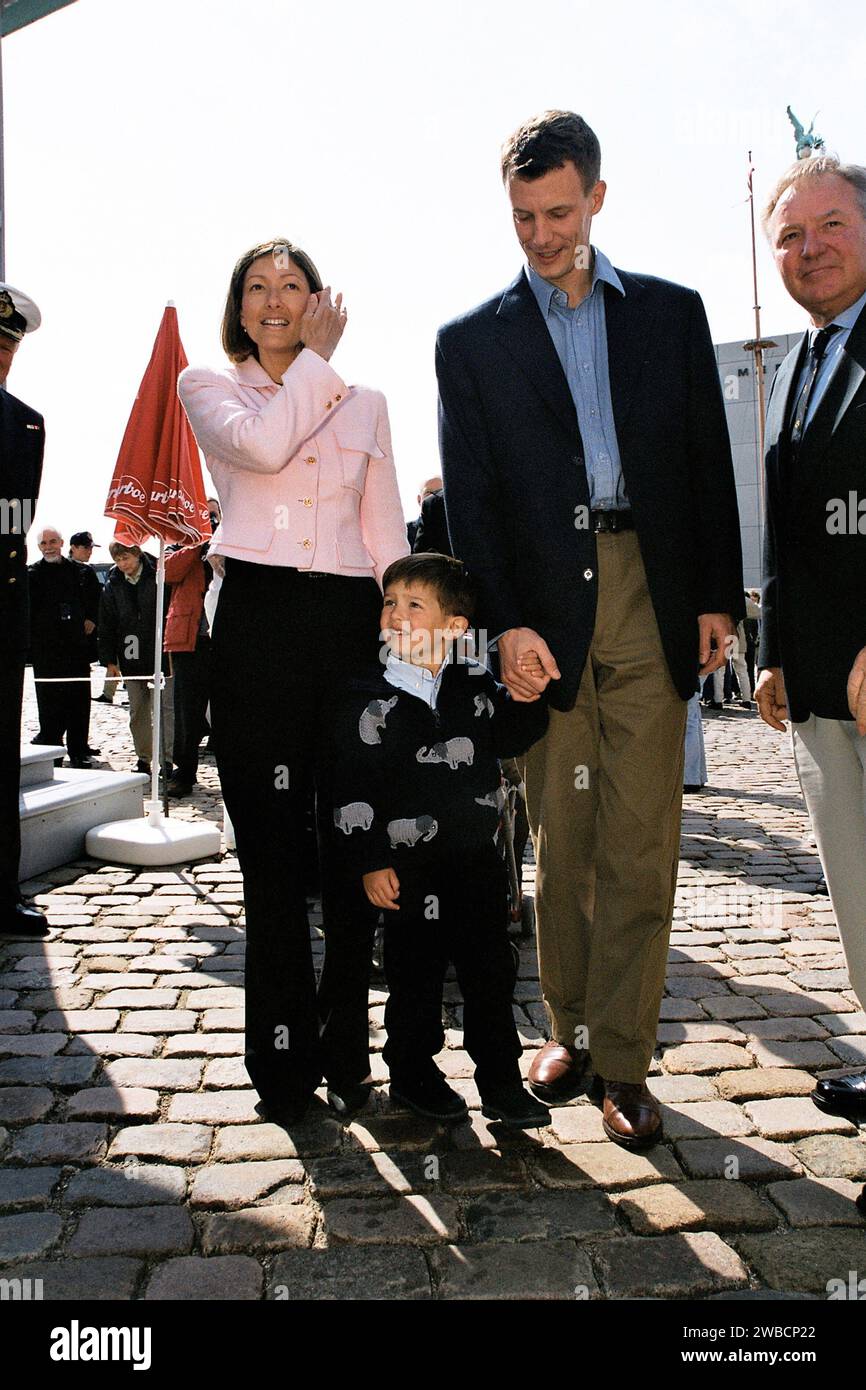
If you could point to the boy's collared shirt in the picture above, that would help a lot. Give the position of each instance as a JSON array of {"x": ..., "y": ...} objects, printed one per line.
[{"x": 416, "y": 680}]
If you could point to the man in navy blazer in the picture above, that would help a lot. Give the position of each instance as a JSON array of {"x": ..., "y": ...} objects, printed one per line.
[
  {"x": 813, "y": 635},
  {"x": 590, "y": 490}
]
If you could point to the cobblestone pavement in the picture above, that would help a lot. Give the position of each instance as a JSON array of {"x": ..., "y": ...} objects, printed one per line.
[{"x": 134, "y": 1165}]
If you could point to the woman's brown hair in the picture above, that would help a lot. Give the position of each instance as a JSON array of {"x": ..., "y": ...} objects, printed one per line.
[{"x": 236, "y": 343}]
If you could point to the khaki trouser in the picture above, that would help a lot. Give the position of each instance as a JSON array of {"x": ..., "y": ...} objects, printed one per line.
[
  {"x": 604, "y": 796},
  {"x": 830, "y": 757},
  {"x": 140, "y": 718}
]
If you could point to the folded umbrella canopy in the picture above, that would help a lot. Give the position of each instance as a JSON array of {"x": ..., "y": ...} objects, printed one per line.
[
  {"x": 157, "y": 490},
  {"x": 157, "y": 487}
]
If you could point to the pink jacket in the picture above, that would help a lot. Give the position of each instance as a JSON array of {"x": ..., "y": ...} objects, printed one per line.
[{"x": 304, "y": 471}]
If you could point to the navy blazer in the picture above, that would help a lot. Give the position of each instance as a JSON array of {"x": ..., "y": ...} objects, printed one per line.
[
  {"x": 813, "y": 612},
  {"x": 22, "y": 445},
  {"x": 516, "y": 489}
]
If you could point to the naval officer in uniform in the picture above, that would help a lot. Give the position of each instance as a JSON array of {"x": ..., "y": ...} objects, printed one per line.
[{"x": 22, "y": 443}]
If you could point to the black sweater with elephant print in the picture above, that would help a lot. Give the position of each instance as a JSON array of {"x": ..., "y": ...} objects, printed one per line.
[{"x": 414, "y": 785}]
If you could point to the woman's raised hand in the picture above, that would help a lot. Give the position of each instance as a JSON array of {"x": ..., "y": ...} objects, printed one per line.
[{"x": 323, "y": 323}]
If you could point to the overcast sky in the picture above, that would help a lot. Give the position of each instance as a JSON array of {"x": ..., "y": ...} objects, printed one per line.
[{"x": 148, "y": 145}]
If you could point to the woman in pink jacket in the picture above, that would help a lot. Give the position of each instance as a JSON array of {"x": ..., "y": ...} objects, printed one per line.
[{"x": 311, "y": 518}]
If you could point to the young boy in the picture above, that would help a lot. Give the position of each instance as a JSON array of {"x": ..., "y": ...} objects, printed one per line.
[{"x": 418, "y": 800}]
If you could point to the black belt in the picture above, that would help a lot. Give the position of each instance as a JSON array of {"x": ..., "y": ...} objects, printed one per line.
[
  {"x": 276, "y": 572},
  {"x": 612, "y": 521}
]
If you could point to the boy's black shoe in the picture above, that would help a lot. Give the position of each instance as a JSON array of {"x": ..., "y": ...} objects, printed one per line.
[
  {"x": 143, "y": 766},
  {"x": 432, "y": 1097},
  {"x": 514, "y": 1106},
  {"x": 286, "y": 1113},
  {"x": 349, "y": 1099}
]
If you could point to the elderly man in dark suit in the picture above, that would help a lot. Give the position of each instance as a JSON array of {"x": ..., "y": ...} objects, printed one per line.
[
  {"x": 589, "y": 488},
  {"x": 22, "y": 442},
  {"x": 64, "y": 607},
  {"x": 813, "y": 633}
]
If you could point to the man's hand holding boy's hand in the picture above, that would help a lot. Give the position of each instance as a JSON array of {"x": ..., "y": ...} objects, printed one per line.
[{"x": 382, "y": 887}]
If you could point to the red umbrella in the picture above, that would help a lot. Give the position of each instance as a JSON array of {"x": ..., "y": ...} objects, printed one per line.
[{"x": 157, "y": 487}]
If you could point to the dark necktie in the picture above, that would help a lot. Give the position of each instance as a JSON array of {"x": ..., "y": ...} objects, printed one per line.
[{"x": 801, "y": 405}]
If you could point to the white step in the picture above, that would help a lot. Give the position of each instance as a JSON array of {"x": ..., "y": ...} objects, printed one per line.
[
  {"x": 56, "y": 815},
  {"x": 37, "y": 762}
]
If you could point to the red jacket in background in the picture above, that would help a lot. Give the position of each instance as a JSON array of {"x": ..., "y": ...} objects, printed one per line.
[{"x": 185, "y": 572}]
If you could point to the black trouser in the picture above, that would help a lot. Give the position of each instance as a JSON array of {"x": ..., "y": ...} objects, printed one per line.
[
  {"x": 11, "y": 687},
  {"x": 191, "y": 694},
  {"x": 64, "y": 708},
  {"x": 455, "y": 911},
  {"x": 284, "y": 645}
]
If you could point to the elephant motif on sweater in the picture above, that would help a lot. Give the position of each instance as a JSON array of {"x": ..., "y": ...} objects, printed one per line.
[
  {"x": 410, "y": 831},
  {"x": 453, "y": 752},
  {"x": 484, "y": 705},
  {"x": 358, "y": 815},
  {"x": 373, "y": 719}
]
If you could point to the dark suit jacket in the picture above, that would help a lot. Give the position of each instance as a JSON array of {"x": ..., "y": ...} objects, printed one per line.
[
  {"x": 432, "y": 532},
  {"x": 22, "y": 444},
  {"x": 813, "y": 610},
  {"x": 58, "y": 642},
  {"x": 514, "y": 472}
]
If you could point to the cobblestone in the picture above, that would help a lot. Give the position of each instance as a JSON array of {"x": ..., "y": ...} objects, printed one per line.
[
  {"x": 135, "y": 998},
  {"x": 154, "y": 1230},
  {"x": 227, "y": 1277},
  {"x": 793, "y": 1118},
  {"x": 350, "y": 1272},
  {"x": 257, "y": 1228},
  {"x": 674, "y": 1266},
  {"x": 694, "y": 1206}
]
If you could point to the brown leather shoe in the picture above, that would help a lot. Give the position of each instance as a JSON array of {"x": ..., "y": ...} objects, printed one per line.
[
  {"x": 557, "y": 1072},
  {"x": 630, "y": 1115}
]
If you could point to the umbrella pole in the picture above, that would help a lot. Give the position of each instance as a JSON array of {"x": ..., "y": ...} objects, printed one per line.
[{"x": 155, "y": 815}]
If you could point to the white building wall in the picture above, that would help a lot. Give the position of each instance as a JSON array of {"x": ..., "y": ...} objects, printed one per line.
[{"x": 737, "y": 376}]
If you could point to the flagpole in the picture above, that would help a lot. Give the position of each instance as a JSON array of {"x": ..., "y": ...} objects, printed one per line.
[
  {"x": 757, "y": 346},
  {"x": 154, "y": 808}
]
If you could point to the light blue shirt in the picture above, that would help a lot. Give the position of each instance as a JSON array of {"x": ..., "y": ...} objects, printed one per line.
[
  {"x": 832, "y": 357},
  {"x": 416, "y": 680},
  {"x": 580, "y": 338}
]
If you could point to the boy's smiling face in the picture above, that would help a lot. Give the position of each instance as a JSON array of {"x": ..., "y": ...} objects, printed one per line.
[{"x": 415, "y": 625}]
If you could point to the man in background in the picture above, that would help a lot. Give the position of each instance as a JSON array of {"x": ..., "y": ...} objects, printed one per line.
[
  {"x": 432, "y": 485},
  {"x": 127, "y": 627},
  {"x": 64, "y": 607}
]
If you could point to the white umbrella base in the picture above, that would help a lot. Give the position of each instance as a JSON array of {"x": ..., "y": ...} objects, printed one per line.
[{"x": 153, "y": 842}]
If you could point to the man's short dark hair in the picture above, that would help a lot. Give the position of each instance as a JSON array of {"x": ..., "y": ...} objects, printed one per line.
[
  {"x": 448, "y": 579},
  {"x": 547, "y": 142}
]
